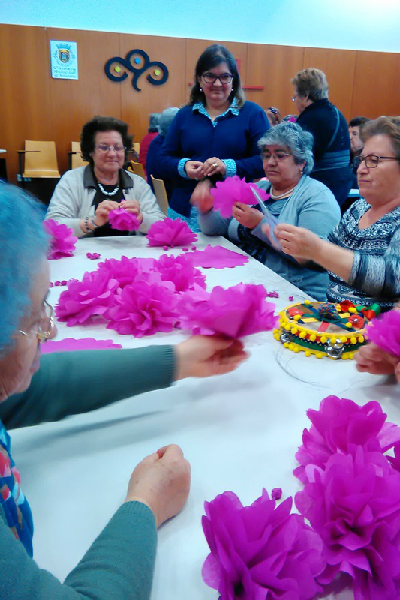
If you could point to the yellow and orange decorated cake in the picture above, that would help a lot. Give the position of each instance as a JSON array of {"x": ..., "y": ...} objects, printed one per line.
[{"x": 324, "y": 329}]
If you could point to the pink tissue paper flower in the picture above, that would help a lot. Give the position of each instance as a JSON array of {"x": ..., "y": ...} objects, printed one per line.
[
  {"x": 354, "y": 505},
  {"x": 232, "y": 190},
  {"x": 234, "y": 312},
  {"x": 143, "y": 308},
  {"x": 123, "y": 220},
  {"x": 384, "y": 331},
  {"x": 260, "y": 552},
  {"x": 83, "y": 299},
  {"x": 170, "y": 233},
  {"x": 216, "y": 257},
  {"x": 63, "y": 239},
  {"x": 338, "y": 426},
  {"x": 126, "y": 270},
  {"x": 72, "y": 345},
  {"x": 180, "y": 272}
]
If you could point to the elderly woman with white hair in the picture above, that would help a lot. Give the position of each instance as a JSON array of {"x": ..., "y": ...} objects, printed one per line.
[{"x": 294, "y": 198}]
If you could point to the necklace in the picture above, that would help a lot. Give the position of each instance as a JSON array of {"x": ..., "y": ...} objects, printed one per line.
[
  {"x": 284, "y": 195},
  {"x": 103, "y": 191}
]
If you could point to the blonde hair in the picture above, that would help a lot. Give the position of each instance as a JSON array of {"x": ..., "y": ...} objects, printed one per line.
[{"x": 312, "y": 83}]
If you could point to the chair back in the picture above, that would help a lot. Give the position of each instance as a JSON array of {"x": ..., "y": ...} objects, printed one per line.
[
  {"x": 160, "y": 193},
  {"x": 137, "y": 169},
  {"x": 136, "y": 147},
  {"x": 41, "y": 160},
  {"x": 76, "y": 156}
]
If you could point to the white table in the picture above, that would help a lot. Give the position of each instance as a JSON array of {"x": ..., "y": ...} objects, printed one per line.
[{"x": 240, "y": 432}]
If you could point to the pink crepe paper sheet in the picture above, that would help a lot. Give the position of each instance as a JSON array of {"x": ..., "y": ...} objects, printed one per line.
[
  {"x": 354, "y": 505},
  {"x": 338, "y": 426},
  {"x": 63, "y": 240},
  {"x": 260, "y": 551},
  {"x": 145, "y": 307},
  {"x": 72, "y": 345},
  {"x": 384, "y": 331},
  {"x": 217, "y": 257},
  {"x": 233, "y": 190},
  {"x": 123, "y": 220},
  {"x": 234, "y": 312},
  {"x": 180, "y": 272},
  {"x": 84, "y": 299},
  {"x": 170, "y": 233}
]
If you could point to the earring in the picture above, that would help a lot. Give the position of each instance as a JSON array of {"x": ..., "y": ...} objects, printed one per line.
[{"x": 201, "y": 89}]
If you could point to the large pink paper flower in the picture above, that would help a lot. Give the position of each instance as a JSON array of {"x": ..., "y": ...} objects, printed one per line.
[
  {"x": 144, "y": 307},
  {"x": 339, "y": 425},
  {"x": 384, "y": 331},
  {"x": 354, "y": 505},
  {"x": 216, "y": 257},
  {"x": 260, "y": 552},
  {"x": 170, "y": 232},
  {"x": 62, "y": 241},
  {"x": 126, "y": 270},
  {"x": 83, "y": 299},
  {"x": 232, "y": 190},
  {"x": 234, "y": 312},
  {"x": 180, "y": 272},
  {"x": 123, "y": 220}
]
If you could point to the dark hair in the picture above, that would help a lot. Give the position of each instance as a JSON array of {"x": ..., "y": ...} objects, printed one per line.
[
  {"x": 154, "y": 119},
  {"x": 96, "y": 124},
  {"x": 358, "y": 122},
  {"x": 389, "y": 126},
  {"x": 213, "y": 56}
]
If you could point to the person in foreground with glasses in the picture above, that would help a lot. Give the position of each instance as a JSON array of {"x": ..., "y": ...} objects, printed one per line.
[
  {"x": 120, "y": 562},
  {"x": 84, "y": 197},
  {"x": 362, "y": 254},
  {"x": 214, "y": 136},
  {"x": 293, "y": 198}
]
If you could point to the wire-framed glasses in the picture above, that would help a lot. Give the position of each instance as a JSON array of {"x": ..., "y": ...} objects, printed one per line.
[
  {"x": 43, "y": 328},
  {"x": 277, "y": 155},
  {"x": 371, "y": 161},
  {"x": 107, "y": 147}
]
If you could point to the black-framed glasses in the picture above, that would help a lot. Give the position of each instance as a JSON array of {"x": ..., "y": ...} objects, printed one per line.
[
  {"x": 277, "y": 155},
  {"x": 107, "y": 147},
  {"x": 44, "y": 327},
  {"x": 224, "y": 79},
  {"x": 372, "y": 160}
]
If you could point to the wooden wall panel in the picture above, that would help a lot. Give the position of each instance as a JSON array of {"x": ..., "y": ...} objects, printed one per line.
[
  {"x": 24, "y": 94},
  {"x": 75, "y": 102},
  {"x": 339, "y": 67},
  {"x": 376, "y": 85},
  {"x": 273, "y": 67},
  {"x": 136, "y": 106}
]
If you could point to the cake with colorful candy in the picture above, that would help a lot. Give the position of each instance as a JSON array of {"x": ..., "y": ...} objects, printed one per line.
[{"x": 325, "y": 329}]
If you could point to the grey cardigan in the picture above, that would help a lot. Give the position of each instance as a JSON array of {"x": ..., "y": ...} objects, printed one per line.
[
  {"x": 74, "y": 193},
  {"x": 312, "y": 206}
]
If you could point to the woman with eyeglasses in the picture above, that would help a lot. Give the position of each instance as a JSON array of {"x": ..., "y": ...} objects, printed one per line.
[
  {"x": 329, "y": 128},
  {"x": 362, "y": 254},
  {"x": 120, "y": 562},
  {"x": 294, "y": 198},
  {"x": 214, "y": 136},
  {"x": 84, "y": 197}
]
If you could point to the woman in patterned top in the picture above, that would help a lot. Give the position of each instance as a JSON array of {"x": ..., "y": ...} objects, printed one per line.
[{"x": 363, "y": 251}]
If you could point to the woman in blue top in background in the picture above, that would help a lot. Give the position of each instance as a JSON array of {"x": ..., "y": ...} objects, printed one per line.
[{"x": 214, "y": 136}]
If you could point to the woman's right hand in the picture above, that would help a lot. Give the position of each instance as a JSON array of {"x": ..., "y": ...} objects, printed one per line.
[
  {"x": 102, "y": 211},
  {"x": 194, "y": 169},
  {"x": 162, "y": 482},
  {"x": 201, "y": 196}
]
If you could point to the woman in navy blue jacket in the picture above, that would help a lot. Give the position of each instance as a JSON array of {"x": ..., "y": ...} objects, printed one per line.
[{"x": 214, "y": 136}]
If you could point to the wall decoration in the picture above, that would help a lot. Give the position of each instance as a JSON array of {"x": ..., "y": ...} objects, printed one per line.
[
  {"x": 64, "y": 59},
  {"x": 137, "y": 62}
]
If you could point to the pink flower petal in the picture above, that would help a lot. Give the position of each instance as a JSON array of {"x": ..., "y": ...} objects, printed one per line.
[
  {"x": 232, "y": 190},
  {"x": 123, "y": 220},
  {"x": 384, "y": 331},
  {"x": 63, "y": 239},
  {"x": 217, "y": 257},
  {"x": 170, "y": 233}
]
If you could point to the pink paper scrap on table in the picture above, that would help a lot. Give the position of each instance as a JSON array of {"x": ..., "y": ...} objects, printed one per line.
[
  {"x": 216, "y": 257},
  {"x": 123, "y": 220},
  {"x": 170, "y": 233},
  {"x": 233, "y": 190},
  {"x": 72, "y": 344}
]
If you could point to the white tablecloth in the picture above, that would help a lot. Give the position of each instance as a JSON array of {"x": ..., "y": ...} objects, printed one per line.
[{"x": 240, "y": 432}]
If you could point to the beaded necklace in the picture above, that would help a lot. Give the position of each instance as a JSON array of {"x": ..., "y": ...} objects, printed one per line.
[
  {"x": 284, "y": 195},
  {"x": 103, "y": 191}
]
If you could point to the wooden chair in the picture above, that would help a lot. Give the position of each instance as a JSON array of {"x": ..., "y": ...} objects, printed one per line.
[
  {"x": 136, "y": 147},
  {"x": 75, "y": 159},
  {"x": 40, "y": 160},
  {"x": 137, "y": 169},
  {"x": 160, "y": 193}
]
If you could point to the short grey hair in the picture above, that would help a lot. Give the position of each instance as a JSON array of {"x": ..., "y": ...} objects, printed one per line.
[
  {"x": 312, "y": 83},
  {"x": 166, "y": 118},
  {"x": 299, "y": 143},
  {"x": 153, "y": 122}
]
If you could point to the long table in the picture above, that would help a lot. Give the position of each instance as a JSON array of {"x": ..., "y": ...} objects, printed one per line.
[{"x": 240, "y": 432}]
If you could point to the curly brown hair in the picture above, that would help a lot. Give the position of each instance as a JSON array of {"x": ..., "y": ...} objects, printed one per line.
[{"x": 98, "y": 123}]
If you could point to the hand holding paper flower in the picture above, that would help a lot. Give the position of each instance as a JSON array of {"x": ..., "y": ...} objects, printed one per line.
[
  {"x": 233, "y": 190},
  {"x": 123, "y": 220}
]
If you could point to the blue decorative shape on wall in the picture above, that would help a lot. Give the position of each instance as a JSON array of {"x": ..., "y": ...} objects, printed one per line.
[{"x": 120, "y": 64}]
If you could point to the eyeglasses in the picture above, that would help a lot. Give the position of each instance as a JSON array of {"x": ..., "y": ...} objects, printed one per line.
[
  {"x": 278, "y": 155},
  {"x": 224, "y": 79},
  {"x": 372, "y": 160},
  {"x": 107, "y": 148},
  {"x": 44, "y": 327}
]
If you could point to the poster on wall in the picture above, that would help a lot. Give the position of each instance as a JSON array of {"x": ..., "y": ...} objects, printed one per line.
[{"x": 64, "y": 59}]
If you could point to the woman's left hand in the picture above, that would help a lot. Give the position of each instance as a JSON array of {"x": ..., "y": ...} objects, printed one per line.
[
  {"x": 214, "y": 166},
  {"x": 133, "y": 207},
  {"x": 298, "y": 242},
  {"x": 372, "y": 359},
  {"x": 247, "y": 216}
]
